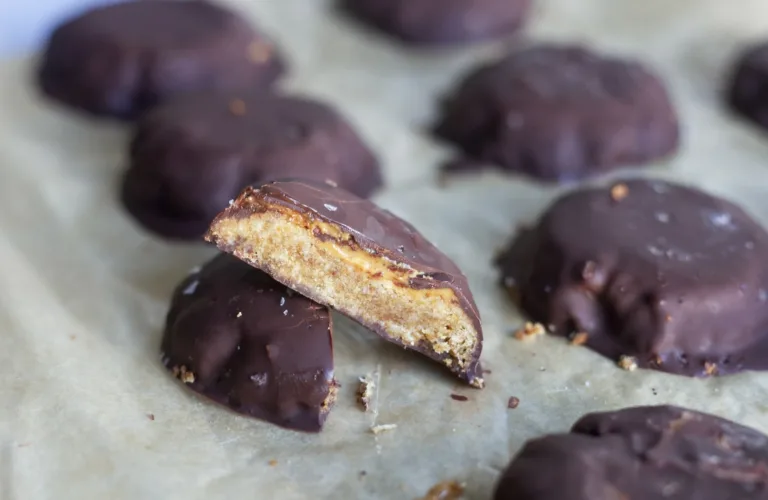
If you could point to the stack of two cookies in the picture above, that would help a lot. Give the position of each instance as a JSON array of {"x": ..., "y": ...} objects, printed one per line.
[{"x": 238, "y": 333}]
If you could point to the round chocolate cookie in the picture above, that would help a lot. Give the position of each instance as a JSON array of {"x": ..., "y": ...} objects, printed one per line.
[
  {"x": 748, "y": 93},
  {"x": 242, "y": 339},
  {"x": 642, "y": 453},
  {"x": 434, "y": 22},
  {"x": 650, "y": 274},
  {"x": 559, "y": 113},
  {"x": 121, "y": 59},
  {"x": 194, "y": 154}
]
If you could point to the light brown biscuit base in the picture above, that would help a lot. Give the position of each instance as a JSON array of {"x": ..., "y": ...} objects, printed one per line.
[{"x": 322, "y": 262}]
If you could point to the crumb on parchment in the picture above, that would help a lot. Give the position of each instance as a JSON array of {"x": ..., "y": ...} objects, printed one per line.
[
  {"x": 365, "y": 391},
  {"x": 530, "y": 331},
  {"x": 445, "y": 490},
  {"x": 378, "y": 429},
  {"x": 579, "y": 338},
  {"x": 710, "y": 368},
  {"x": 272, "y": 463},
  {"x": 183, "y": 374},
  {"x": 628, "y": 363},
  {"x": 513, "y": 402}
]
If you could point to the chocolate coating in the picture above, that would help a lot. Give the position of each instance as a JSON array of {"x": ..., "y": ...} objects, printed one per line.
[
  {"x": 438, "y": 22},
  {"x": 382, "y": 235},
  {"x": 665, "y": 273},
  {"x": 240, "y": 338},
  {"x": 192, "y": 155},
  {"x": 642, "y": 453},
  {"x": 559, "y": 113},
  {"x": 748, "y": 91},
  {"x": 118, "y": 60}
]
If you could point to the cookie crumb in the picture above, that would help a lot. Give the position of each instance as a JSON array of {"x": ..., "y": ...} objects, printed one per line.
[
  {"x": 513, "y": 403},
  {"x": 72, "y": 337},
  {"x": 668, "y": 318},
  {"x": 365, "y": 391},
  {"x": 183, "y": 374},
  {"x": 529, "y": 331},
  {"x": 459, "y": 397},
  {"x": 272, "y": 462},
  {"x": 445, "y": 490},
  {"x": 619, "y": 192},
  {"x": 237, "y": 107},
  {"x": 579, "y": 338},
  {"x": 710, "y": 368},
  {"x": 628, "y": 363},
  {"x": 378, "y": 429},
  {"x": 151, "y": 416},
  {"x": 259, "y": 52}
]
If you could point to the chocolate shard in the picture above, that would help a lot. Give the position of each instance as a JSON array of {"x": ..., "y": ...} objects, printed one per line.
[
  {"x": 347, "y": 253},
  {"x": 238, "y": 337},
  {"x": 642, "y": 453}
]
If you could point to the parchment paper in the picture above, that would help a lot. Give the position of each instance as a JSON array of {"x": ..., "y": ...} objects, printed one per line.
[{"x": 83, "y": 290}]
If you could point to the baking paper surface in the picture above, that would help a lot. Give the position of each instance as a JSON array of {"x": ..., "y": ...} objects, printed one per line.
[{"x": 84, "y": 291}]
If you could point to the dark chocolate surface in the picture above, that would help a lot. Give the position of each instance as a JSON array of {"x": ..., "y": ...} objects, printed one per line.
[
  {"x": 559, "y": 113},
  {"x": 251, "y": 344},
  {"x": 436, "y": 22},
  {"x": 192, "y": 155},
  {"x": 381, "y": 233},
  {"x": 748, "y": 91},
  {"x": 667, "y": 274},
  {"x": 121, "y": 59},
  {"x": 642, "y": 453}
]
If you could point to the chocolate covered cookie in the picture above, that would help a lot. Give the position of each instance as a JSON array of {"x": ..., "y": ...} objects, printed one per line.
[
  {"x": 748, "y": 92},
  {"x": 654, "y": 274},
  {"x": 642, "y": 453},
  {"x": 347, "y": 253},
  {"x": 559, "y": 113},
  {"x": 240, "y": 338},
  {"x": 121, "y": 59},
  {"x": 435, "y": 22},
  {"x": 192, "y": 155}
]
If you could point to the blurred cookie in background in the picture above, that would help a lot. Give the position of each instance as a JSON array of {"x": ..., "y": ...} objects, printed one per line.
[
  {"x": 748, "y": 91},
  {"x": 559, "y": 113},
  {"x": 122, "y": 59},
  {"x": 440, "y": 22},
  {"x": 190, "y": 156}
]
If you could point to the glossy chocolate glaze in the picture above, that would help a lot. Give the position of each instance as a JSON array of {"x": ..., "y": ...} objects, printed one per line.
[
  {"x": 380, "y": 233},
  {"x": 667, "y": 274},
  {"x": 642, "y": 453},
  {"x": 251, "y": 344}
]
